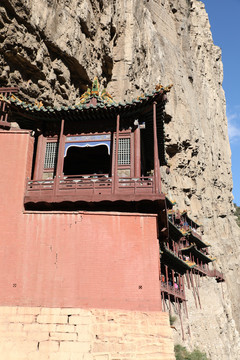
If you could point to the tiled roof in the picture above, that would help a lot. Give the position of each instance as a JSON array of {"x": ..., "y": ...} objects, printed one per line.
[
  {"x": 183, "y": 264},
  {"x": 38, "y": 109}
]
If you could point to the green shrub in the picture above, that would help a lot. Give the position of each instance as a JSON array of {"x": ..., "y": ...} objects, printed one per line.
[
  {"x": 172, "y": 319},
  {"x": 237, "y": 213},
  {"x": 181, "y": 353}
]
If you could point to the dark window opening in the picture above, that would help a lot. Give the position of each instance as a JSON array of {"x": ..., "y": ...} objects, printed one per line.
[
  {"x": 50, "y": 160},
  {"x": 87, "y": 160}
]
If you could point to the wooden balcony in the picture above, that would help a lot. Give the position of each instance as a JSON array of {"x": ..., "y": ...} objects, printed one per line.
[
  {"x": 219, "y": 276},
  {"x": 203, "y": 270},
  {"x": 170, "y": 290},
  {"x": 92, "y": 188}
]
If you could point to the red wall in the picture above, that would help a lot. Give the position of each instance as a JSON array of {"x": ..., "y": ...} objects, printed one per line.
[{"x": 71, "y": 259}]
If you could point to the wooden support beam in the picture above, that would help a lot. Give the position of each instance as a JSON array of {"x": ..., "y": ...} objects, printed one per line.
[
  {"x": 197, "y": 292},
  {"x": 188, "y": 281},
  {"x": 180, "y": 317},
  {"x": 193, "y": 287},
  {"x": 157, "y": 179}
]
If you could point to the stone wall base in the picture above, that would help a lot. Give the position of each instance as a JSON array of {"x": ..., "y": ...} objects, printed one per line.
[{"x": 35, "y": 333}]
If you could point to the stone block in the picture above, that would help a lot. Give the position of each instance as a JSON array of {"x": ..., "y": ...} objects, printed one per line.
[
  {"x": 75, "y": 311},
  {"x": 38, "y": 335},
  {"x": 17, "y": 346},
  {"x": 39, "y": 327},
  {"x": 79, "y": 347},
  {"x": 83, "y": 332},
  {"x": 13, "y": 335},
  {"x": 4, "y": 319},
  {"x": 48, "y": 346},
  {"x": 28, "y": 310},
  {"x": 50, "y": 311},
  {"x": 101, "y": 357},
  {"x": 52, "y": 319},
  {"x": 65, "y": 328},
  {"x": 15, "y": 327},
  {"x": 36, "y": 355},
  {"x": 63, "y": 336},
  {"x": 87, "y": 357},
  {"x": 76, "y": 320},
  {"x": 109, "y": 347},
  {"x": 60, "y": 356},
  {"x": 21, "y": 318},
  {"x": 78, "y": 356},
  {"x": 8, "y": 310}
]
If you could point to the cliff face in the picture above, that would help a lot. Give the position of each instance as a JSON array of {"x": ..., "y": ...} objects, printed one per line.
[{"x": 53, "y": 49}]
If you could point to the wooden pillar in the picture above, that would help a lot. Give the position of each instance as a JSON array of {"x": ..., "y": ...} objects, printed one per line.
[
  {"x": 157, "y": 179},
  {"x": 115, "y": 173},
  {"x": 137, "y": 153},
  {"x": 38, "y": 167},
  {"x": 166, "y": 273},
  {"x": 60, "y": 158}
]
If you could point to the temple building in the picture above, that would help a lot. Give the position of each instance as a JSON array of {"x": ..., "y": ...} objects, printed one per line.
[{"x": 85, "y": 223}]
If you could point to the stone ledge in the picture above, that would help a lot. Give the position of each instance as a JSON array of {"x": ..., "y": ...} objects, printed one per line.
[{"x": 78, "y": 334}]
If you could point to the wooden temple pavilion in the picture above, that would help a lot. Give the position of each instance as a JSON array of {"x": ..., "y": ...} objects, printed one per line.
[
  {"x": 95, "y": 151},
  {"x": 103, "y": 155}
]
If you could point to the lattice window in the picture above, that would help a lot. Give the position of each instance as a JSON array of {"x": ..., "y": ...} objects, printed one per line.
[
  {"x": 124, "y": 152},
  {"x": 50, "y": 155}
]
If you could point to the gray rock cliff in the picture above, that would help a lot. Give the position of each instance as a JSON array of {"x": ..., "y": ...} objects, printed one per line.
[{"x": 53, "y": 49}]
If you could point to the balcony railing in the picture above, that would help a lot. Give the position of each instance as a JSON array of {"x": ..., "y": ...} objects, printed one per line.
[
  {"x": 218, "y": 275},
  {"x": 171, "y": 290},
  {"x": 91, "y": 188}
]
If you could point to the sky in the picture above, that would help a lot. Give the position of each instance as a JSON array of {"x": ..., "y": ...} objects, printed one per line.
[{"x": 224, "y": 17}]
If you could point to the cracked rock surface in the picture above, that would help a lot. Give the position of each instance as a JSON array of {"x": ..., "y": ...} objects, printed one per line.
[{"x": 53, "y": 49}]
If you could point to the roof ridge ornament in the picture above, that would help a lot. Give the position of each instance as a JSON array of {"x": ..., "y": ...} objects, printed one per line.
[
  {"x": 160, "y": 87},
  {"x": 102, "y": 97}
]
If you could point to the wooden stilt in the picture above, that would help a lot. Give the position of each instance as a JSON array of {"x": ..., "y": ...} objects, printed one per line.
[
  {"x": 180, "y": 317},
  {"x": 163, "y": 299},
  {"x": 157, "y": 179},
  {"x": 188, "y": 281},
  {"x": 170, "y": 306},
  {"x": 197, "y": 292},
  {"x": 193, "y": 287}
]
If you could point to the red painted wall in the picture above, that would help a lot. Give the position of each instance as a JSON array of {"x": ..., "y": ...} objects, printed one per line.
[{"x": 71, "y": 259}]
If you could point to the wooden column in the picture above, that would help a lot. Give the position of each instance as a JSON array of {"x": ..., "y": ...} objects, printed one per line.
[
  {"x": 60, "y": 158},
  {"x": 39, "y": 161},
  {"x": 115, "y": 174},
  {"x": 157, "y": 179},
  {"x": 137, "y": 153}
]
